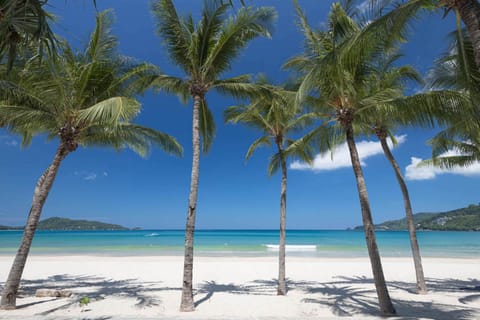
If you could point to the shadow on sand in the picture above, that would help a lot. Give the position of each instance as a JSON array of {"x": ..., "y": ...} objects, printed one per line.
[
  {"x": 96, "y": 288},
  {"x": 348, "y": 296},
  {"x": 345, "y": 296}
]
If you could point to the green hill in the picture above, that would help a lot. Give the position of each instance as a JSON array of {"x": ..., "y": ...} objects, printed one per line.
[
  {"x": 464, "y": 219},
  {"x": 69, "y": 224}
]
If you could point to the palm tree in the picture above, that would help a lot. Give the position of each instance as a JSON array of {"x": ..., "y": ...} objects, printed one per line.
[
  {"x": 23, "y": 23},
  {"x": 336, "y": 65},
  {"x": 277, "y": 116},
  {"x": 81, "y": 99},
  {"x": 204, "y": 51},
  {"x": 389, "y": 80}
]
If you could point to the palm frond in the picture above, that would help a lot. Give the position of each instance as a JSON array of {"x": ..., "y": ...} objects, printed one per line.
[
  {"x": 207, "y": 126},
  {"x": 213, "y": 16},
  {"x": 262, "y": 141},
  {"x": 175, "y": 32},
  {"x": 240, "y": 87},
  {"x": 170, "y": 84},
  {"x": 102, "y": 44},
  {"x": 110, "y": 111},
  {"x": 125, "y": 135},
  {"x": 275, "y": 163},
  {"x": 247, "y": 24},
  {"x": 23, "y": 24}
]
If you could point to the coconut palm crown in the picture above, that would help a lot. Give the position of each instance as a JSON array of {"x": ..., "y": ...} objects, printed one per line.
[
  {"x": 205, "y": 51},
  {"x": 83, "y": 99}
]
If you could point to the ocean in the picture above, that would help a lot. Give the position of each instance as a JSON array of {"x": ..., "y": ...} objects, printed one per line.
[{"x": 304, "y": 243}]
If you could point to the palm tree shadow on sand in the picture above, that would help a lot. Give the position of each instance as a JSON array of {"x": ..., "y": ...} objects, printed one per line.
[
  {"x": 96, "y": 288},
  {"x": 345, "y": 297}
]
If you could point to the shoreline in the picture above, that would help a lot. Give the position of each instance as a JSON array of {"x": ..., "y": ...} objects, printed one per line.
[{"x": 144, "y": 287}]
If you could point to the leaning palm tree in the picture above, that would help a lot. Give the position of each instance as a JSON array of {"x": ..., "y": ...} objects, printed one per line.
[
  {"x": 389, "y": 80},
  {"x": 277, "y": 116},
  {"x": 82, "y": 99},
  {"x": 23, "y": 23},
  {"x": 336, "y": 66},
  {"x": 204, "y": 51}
]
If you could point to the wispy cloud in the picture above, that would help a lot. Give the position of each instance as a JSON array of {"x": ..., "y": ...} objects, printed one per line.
[
  {"x": 89, "y": 175},
  {"x": 341, "y": 156},
  {"x": 9, "y": 141},
  {"x": 414, "y": 171}
]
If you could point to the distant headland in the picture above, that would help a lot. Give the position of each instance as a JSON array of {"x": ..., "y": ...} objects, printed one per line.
[
  {"x": 57, "y": 223},
  {"x": 463, "y": 219}
]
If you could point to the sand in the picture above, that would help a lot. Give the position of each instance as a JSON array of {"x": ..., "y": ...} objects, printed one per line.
[{"x": 241, "y": 288}]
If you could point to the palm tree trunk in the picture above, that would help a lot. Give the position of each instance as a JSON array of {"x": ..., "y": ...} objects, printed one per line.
[
  {"x": 282, "y": 286},
  {"x": 42, "y": 188},
  {"x": 417, "y": 260},
  {"x": 384, "y": 300},
  {"x": 187, "y": 288},
  {"x": 470, "y": 12}
]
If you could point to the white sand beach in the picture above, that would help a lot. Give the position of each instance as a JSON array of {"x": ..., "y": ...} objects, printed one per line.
[{"x": 141, "y": 287}]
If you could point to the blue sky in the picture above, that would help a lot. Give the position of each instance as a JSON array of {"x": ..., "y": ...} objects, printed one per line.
[{"x": 120, "y": 187}]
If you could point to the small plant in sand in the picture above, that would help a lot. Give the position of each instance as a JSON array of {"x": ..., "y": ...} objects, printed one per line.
[{"x": 84, "y": 301}]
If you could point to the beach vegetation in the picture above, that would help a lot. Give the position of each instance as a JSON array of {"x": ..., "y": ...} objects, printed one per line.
[
  {"x": 81, "y": 98},
  {"x": 84, "y": 301}
]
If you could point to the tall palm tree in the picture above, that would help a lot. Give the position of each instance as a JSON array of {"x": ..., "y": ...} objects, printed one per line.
[
  {"x": 82, "y": 99},
  {"x": 277, "y": 116},
  {"x": 23, "y": 23},
  {"x": 204, "y": 51},
  {"x": 336, "y": 65}
]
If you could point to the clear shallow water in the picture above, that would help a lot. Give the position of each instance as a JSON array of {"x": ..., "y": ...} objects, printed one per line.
[{"x": 314, "y": 243}]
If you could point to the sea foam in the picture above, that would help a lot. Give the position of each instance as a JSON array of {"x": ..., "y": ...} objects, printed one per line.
[{"x": 292, "y": 247}]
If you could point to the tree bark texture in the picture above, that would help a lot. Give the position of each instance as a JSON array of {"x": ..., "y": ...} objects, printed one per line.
[
  {"x": 417, "y": 260},
  {"x": 470, "y": 12},
  {"x": 42, "y": 189},
  {"x": 187, "y": 303},
  {"x": 282, "y": 286},
  {"x": 384, "y": 300}
]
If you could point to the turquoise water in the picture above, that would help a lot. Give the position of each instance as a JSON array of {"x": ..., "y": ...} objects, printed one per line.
[{"x": 314, "y": 243}]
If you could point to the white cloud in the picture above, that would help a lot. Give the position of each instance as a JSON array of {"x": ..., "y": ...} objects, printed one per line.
[
  {"x": 87, "y": 175},
  {"x": 90, "y": 177},
  {"x": 341, "y": 156},
  {"x": 9, "y": 141},
  {"x": 428, "y": 172}
]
